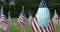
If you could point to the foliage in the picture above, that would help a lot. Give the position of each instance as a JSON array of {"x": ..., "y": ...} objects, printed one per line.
[{"x": 30, "y": 5}]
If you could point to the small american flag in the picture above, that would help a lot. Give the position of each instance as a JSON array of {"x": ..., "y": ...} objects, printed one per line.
[
  {"x": 3, "y": 22},
  {"x": 22, "y": 19},
  {"x": 55, "y": 17},
  {"x": 42, "y": 21},
  {"x": 30, "y": 17}
]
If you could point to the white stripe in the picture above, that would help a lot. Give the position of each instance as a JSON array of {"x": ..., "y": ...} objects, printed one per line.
[
  {"x": 19, "y": 22},
  {"x": 22, "y": 18},
  {"x": 37, "y": 25},
  {"x": 43, "y": 29},
  {"x": 50, "y": 28},
  {"x": 3, "y": 20},
  {"x": 47, "y": 29},
  {"x": 4, "y": 26},
  {"x": 34, "y": 27},
  {"x": 22, "y": 21},
  {"x": 51, "y": 24}
]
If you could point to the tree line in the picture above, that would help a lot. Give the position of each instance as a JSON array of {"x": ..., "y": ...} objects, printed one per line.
[{"x": 30, "y": 5}]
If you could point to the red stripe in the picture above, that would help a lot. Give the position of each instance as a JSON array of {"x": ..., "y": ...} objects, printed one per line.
[
  {"x": 35, "y": 25},
  {"x": 45, "y": 29},
  {"x": 19, "y": 22},
  {"x": 4, "y": 21},
  {"x": 23, "y": 17},
  {"x": 22, "y": 23},
  {"x": 32, "y": 27},
  {"x": 3, "y": 16},
  {"x": 35, "y": 19},
  {"x": 49, "y": 29},
  {"x": 52, "y": 22},
  {"x": 41, "y": 29},
  {"x": 22, "y": 20}
]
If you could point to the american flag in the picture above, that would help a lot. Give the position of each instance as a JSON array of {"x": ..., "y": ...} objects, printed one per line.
[
  {"x": 3, "y": 22},
  {"x": 55, "y": 17},
  {"x": 22, "y": 19},
  {"x": 30, "y": 17},
  {"x": 36, "y": 28},
  {"x": 40, "y": 20}
]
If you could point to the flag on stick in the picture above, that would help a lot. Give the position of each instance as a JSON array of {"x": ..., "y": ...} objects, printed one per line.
[
  {"x": 42, "y": 21},
  {"x": 30, "y": 17},
  {"x": 3, "y": 22},
  {"x": 22, "y": 19},
  {"x": 55, "y": 17}
]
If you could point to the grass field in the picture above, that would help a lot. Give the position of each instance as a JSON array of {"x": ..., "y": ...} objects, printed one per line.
[{"x": 14, "y": 27}]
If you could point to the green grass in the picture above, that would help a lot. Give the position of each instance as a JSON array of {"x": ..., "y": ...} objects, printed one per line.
[
  {"x": 17, "y": 28},
  {"x": 57, "y": 27}
]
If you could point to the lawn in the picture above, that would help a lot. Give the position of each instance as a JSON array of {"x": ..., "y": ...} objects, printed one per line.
[{"x": 14, "y": 27}]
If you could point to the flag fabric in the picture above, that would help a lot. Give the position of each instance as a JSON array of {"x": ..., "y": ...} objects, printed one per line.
[
  {"x": 36, "y": 28},
  {"x": 42, "y": 21},
  {"x": 30, "y": 17},
  {"x": 3, "y": 22},
  {"x": 22, "y": 19},
  {"x": 55, "y": 17}
]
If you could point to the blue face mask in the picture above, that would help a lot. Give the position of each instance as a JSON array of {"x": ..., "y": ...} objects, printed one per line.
[{"x": 43, "y": 17}]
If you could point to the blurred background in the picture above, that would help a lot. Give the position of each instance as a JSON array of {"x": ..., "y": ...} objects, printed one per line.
[{"x": 29, "y": 5}]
